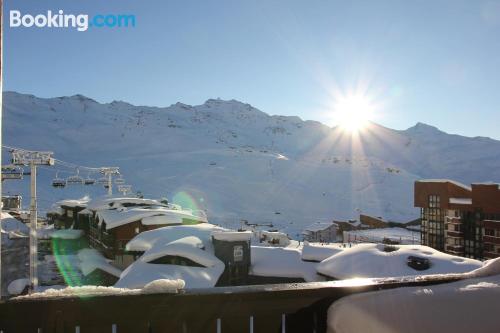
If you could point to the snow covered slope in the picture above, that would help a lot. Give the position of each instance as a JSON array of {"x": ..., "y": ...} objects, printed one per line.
[{"x": 241, "y": 163}]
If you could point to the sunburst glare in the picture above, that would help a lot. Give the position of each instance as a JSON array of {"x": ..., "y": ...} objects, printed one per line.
[{"x": 353, "y": 112}]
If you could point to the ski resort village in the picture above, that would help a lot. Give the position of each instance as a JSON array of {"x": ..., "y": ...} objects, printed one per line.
[{"x": 278, "y": 223}]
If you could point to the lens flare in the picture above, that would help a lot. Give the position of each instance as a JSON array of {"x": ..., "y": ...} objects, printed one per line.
[{"x": 353, "y": 112}]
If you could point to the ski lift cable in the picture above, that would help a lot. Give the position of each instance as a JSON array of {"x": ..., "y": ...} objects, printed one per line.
[{"x": 68, "y": 165}]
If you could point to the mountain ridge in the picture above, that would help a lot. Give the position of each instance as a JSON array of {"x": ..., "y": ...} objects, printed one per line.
[{"x": 238, "y": 162}]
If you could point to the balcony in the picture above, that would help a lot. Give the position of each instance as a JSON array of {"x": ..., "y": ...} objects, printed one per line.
[
  {"x": 268, "y": 308},
  {"x": 455, "y": 249},
  {"x": 453, "y": 220}
]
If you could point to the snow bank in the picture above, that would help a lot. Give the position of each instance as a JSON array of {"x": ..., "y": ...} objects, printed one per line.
[
  {"x": 140, "y": 273},
  {"x": 370, "y": 261},
  {"x": 319, "y": 252},
  {"x": 9, "y": 223},
  {"x": 162, "y": 286},
  {"x": 91, "y": 259},
  {"x": 463, "y": 306},
  {"x": 282, "y": 262}
]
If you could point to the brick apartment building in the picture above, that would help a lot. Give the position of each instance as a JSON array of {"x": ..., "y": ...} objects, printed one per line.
[{"x": 459, "y": 219}]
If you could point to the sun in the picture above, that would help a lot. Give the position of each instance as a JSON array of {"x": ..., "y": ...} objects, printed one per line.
[{"x": 353, "y": 112}]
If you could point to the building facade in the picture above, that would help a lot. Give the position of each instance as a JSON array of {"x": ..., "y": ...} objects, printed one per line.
[
  {"x": 459, "y": 219},
  {"x": 321, "y": 232}
]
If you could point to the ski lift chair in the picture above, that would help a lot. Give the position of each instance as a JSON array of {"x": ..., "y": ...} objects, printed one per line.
[
  {"x": 12, "y": 172},
  {"x": 89, "y": 181},
  {"x": 75, "y": 180},
  {"x": 58, "y": 182},
  {"x": 119, "y": 181}
]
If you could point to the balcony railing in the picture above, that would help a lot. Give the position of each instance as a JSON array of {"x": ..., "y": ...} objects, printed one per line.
[{"x": 280, "y": 308}]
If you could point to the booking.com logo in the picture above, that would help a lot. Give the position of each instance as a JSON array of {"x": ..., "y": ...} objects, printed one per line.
[{"x": 59, "y": 19}]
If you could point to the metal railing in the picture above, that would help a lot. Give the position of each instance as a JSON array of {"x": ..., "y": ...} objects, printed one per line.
[{"x": 280, "y": 308}]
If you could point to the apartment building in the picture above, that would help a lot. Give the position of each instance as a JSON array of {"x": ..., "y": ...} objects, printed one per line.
[{"x": 460, "y": 219}]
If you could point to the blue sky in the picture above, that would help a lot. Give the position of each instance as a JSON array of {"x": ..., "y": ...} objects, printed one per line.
[{"x": 432, "y": 61}]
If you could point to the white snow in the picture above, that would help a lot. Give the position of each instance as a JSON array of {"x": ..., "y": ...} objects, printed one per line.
[
  {"x": 319, "y": 251},
  {"x": 11, "y": 228},
  {"x": 454, "y": 182},
  {"x": 371, "y": 261},
  {"x": 469, "y": 305},
  {"x": 282, "y": 262},
  {"x": 145, "y": 240},
  {"x": 165, "y": 219},
  {"x": 16, "y": 287},
  {"x": 91, "y": 259},
  {"x": 104, "y": 203},
  {"x": 232, "y": 235},
  {"x": 190, "y": 247},
  {"x": 73, "y": 202},
  {"x": 401, "y": 235},
  {"x": 191, "y": 242},
  {"x": 162, "y": 286},
  {"x": 121, "y": 216}
]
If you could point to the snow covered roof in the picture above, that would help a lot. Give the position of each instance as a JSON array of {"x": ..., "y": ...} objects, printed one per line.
[
  {"x": 232, "y": 235},
  {"x": 162, "y": 236},
  {"x": 143, "y": 271},
  {"x": 73, "y": 202},
  {"x": 464, "y": 306},
  {"x": 190, "y": 247},
  {"x": 153, "y": 215},
  {"x": 282, "y": 262},
  {"x": 461, "y": 201},
  {"x": 371, "y": 261},
  {"x": 454, "y": 182},
  {"x": 318, "y": 226},
  {"x": 319, "y": 252},
  {"x": 107, "y": 203}
]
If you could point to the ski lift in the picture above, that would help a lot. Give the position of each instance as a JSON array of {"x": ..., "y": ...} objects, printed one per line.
[
  {"x": 12, "y": 172},
  {"x": 102, "y": 180},
  {"x": 58, "y": 182},
  {"x": 89, "y": 181},
  {"x": 75, "y": 180},
  {"x": 120, "y": 180}
]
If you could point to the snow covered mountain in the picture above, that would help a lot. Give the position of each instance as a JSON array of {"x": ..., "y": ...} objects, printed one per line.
[{"x": 240, "y": 163}]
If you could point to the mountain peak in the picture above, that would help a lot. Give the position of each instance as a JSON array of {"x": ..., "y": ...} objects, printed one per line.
[{"x": 423, "y": 128}]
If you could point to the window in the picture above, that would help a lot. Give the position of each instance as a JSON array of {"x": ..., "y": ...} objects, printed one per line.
[
  {"x": 434, "y": 201},
  {"x": 489, "y": 232}
]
